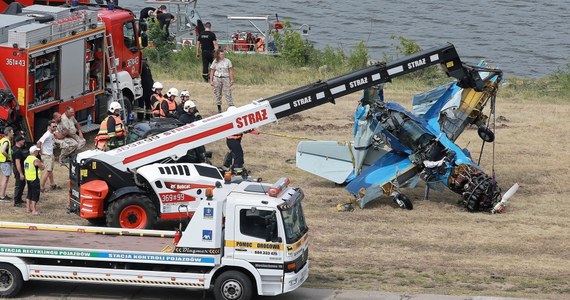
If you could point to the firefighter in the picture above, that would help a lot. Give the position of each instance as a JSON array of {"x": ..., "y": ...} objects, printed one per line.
[
  {"x": 112, "y": 133},
  {"x": 234, "y": 158},
  {"x": 168, "y": 107},
  {"x": 191, "y": 113},
  {"x": 184, "y": 96},
  {"x": 156, "y": 98}
]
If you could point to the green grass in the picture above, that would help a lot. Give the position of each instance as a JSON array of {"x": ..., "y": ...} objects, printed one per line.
[{"x": 258, "y": 69}]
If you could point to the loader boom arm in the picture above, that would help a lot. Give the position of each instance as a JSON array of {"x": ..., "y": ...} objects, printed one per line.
[{"x": 176, "y": 142}]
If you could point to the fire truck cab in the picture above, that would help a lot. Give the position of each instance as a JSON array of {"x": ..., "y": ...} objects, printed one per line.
[{"x": 53, "y": 57}]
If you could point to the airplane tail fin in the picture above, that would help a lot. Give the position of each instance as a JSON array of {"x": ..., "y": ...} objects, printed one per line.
[{"x": 334, "y": 161}]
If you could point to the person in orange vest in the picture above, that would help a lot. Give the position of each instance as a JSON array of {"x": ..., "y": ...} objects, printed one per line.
[
  {"x": 168, "y": 108},
  {"x": 156, "y": 98},
  {"x": 112, "y": 133}
]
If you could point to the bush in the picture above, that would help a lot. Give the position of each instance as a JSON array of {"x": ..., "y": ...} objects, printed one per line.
[
  {"x": 292, "y": 46},
  {"x": 162, "y": 46},
  {"x": 358, "y": 57}
]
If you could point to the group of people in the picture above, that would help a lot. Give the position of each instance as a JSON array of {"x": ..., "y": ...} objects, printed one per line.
[
  {"x": 166, "y": 106},
  {"x": 35, "y": 168}
]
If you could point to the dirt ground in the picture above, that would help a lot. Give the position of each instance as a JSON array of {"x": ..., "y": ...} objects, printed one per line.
[{"x": 437, "y": 248}]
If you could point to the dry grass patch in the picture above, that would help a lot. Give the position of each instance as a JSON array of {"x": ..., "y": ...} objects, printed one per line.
[{"x": 436, "y": 248}]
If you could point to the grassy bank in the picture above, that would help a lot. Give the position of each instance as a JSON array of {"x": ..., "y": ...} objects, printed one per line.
[{"x": 255, "y": 69}]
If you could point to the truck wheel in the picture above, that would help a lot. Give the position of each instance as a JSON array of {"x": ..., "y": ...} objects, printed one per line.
[
  {"x": 132, "y": 211},
  {"x": 233, "y": 285},
  {"x": 11, "y": 280},
  {"x": 128, "y": 104}
]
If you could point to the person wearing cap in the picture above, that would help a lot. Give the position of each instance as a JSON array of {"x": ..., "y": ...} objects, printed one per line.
[
  {"x": 6, "y": 161},
  {"x": 112, "y": 132},
  {"x": 168, "y": 107},
  {"x": 18, "y": 156},
  {"x": 32, "y": 167},
  {"x": 46, "y": 144}
]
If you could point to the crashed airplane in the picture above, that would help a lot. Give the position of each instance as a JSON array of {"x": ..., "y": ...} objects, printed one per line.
[{"x": 394, "y": 148}]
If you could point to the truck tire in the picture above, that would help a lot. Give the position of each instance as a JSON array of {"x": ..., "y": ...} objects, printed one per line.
[
  {"x": 11, "y": 281},
  {"x": 132, "y": 211},
  {"x": 128, "y": 104},
  {"x": 233, "y": 285}
]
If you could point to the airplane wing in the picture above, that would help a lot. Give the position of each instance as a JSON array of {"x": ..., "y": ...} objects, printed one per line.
[{"x": 391, "y": 169}]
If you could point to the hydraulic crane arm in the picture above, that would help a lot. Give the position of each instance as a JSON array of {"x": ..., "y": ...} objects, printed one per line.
[
  {"x": 176, "y": 142},
  {"x": 319, "y": 93}
]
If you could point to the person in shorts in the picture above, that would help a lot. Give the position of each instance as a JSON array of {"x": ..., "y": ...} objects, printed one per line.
[
  {"x": 32, "y": 171},
  {"x": 6, "y": 162},
  {"x": 46, "y": 144}
]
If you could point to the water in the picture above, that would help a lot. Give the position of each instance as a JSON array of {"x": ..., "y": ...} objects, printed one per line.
[{"x": 522, "y": 37}]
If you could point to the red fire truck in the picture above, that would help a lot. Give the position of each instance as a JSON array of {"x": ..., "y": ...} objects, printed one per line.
[{"x": 52, "y": 57}]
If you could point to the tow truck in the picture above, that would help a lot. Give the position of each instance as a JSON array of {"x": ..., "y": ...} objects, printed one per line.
[
  {"x": 54, "y": 57},
  {"x": 129, "y": 186},
  {"x": 246, "y": 238}
]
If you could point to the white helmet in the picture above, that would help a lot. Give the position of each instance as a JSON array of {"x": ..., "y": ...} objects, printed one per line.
[
  {"x": 230, "y": 108},
  {"x": 114, "y": 106},
  {"x": 172, "y": 92},
  {"x": 188, "y": 105},
  {"x": 157, "y": 85},
  {"x": 185, "y": 93}
]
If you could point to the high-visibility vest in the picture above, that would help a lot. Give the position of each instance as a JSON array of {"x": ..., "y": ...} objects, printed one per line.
[
  {"x": 103, "y": 135},
  {"x": 171, "y": 108},
  {"x": 9, "y": 150},
  {"x": 156, "y": 104},
  {"x": 31, "y": 172}
]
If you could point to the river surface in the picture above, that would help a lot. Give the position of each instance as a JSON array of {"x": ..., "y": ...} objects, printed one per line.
[{"x": 524, "y": 37}]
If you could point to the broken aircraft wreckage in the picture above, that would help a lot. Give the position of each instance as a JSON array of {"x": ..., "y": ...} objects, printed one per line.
[{"x": 393, "y": 148}]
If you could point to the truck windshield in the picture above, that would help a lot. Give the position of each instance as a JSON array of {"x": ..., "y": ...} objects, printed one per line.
[{"x": 294, "y": 222}]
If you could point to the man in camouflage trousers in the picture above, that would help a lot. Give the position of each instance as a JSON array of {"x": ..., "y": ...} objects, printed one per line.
[{"x": 68, "y": 135}]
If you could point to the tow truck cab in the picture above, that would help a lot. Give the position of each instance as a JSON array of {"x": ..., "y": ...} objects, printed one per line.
[{"x": 269, "y": 234}]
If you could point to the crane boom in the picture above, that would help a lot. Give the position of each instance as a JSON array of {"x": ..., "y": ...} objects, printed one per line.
[{"x": 176, "y": 142}]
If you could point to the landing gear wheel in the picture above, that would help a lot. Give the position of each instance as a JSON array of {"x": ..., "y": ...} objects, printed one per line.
[
  {"x": 11, "y": 281},
  {"x": 403, "y": 202},
  {"x": 133, "y": 211},
  {"x": 233, "y": 285},
  {"x": 486, "y": 134}
]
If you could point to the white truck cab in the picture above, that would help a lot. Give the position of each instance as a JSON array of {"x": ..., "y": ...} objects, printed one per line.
[{"x": 250, "y": 241}]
